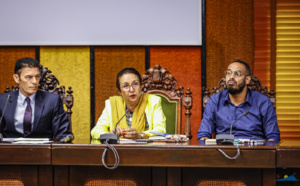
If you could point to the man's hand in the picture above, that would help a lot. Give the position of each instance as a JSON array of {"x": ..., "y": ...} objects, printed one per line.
[{"x": 204, "y": 138}]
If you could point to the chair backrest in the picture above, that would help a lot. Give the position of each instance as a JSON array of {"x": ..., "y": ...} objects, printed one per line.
[
  {"x": 50, "y": 83},
  {"x": 161, "y": 82},
  {"x": 254, "y": 84}
]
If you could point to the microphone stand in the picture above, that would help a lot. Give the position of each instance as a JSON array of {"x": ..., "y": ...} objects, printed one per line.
[
  {"x": 111, "y": 139},
  {"x": 228, "y": 139}
]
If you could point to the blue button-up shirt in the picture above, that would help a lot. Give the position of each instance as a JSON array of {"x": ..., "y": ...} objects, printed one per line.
[{"x": 259, "y": 123}]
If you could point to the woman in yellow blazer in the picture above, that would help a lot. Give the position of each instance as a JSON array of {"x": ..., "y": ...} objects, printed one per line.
[{"x": 143, "y": 111}]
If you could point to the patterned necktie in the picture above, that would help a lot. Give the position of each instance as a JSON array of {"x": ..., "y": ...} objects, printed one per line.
[{"x": 27, "y": 117}]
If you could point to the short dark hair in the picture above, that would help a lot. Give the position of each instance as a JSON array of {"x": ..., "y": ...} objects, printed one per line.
[
  {"x": 247, "y": 67},
  {"x": 127, "y": 71},
  {"x": 26, "y": 62}
]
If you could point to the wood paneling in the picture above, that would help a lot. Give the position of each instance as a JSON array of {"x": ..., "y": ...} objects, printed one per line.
[
  {"x": 108, "y": 62},
  {"x": 184, "y": 63},
  {"x": 229, "y": 36},
  {"x": 71, "y": 66},
  {"x": 288, "y": 68},
  {"x": 8, "y": 58},
  {"x": 262, "y": 32}
]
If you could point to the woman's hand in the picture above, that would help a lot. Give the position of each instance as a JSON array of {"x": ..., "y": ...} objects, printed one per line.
[
  {"x": 119, "y": 131},
  {"x": 133, "y": 134}
]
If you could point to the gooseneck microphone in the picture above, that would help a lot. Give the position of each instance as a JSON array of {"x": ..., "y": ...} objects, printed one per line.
[
  {"x": 8, "y": 98},
  {"x": 244, "y": 114},
  {"x": 228, "y": 139},
  {"x": 112, "y": 138}
]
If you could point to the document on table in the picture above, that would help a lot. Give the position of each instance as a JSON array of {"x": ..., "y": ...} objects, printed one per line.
[
  {"x": 157, "y": 138},
  {"x": 27, "y": 140},
  {"x": 123, "y": 140}
]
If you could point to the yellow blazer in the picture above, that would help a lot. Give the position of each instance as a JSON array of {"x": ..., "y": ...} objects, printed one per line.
[{"x": 154, "y": 113}]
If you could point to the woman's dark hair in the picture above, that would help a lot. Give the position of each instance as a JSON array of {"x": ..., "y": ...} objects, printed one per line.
[
  {"x": 127, "y": 71},
  {"x": 247, "y": 67},
  {"x": 26, "y": 62}
]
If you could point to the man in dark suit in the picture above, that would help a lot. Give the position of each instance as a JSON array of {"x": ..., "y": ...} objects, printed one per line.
[{"x": 30, "y": 112}]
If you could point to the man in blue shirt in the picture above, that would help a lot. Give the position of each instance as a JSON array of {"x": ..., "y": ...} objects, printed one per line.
[{"x": 225, "y": 107}]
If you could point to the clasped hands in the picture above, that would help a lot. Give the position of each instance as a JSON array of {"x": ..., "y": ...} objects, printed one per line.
[{"x": 130, "y": 133}]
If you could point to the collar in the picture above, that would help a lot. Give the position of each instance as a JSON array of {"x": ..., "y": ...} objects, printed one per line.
[
  {"x": 248, "y": 97},
  {"x": 22, "y": 98}
]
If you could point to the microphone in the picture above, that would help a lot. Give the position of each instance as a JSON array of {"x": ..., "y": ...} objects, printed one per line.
[
  {"x": 228, "y": 139},
  {"x": 112, "y": 138},
  {"x": 68, "y": 138},
  {"x": 8, "y": 98}
]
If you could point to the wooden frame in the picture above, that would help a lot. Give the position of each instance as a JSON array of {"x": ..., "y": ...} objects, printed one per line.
[
  {"x": 159, "y": 80},
  {"x": 254, "y": 84}
]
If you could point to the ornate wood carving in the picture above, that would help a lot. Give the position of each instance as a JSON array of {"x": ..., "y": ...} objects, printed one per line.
[
  {"x": 160, "y": 80},
  {"x": 188, "y": 104},
  {"x": 206, "y": 95},
  {"x": 254, "y": 84},
  {"x": 13, "y": 88},
  {"x": 50, "y": 83},
  {"x": 272, "y": 97}
]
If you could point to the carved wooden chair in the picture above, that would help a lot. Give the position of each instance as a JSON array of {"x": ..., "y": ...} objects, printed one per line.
[
  {"x": 50, "y": 83},
  {"x": 161, "y": 82},
  {"x": 254, "y": 84}
]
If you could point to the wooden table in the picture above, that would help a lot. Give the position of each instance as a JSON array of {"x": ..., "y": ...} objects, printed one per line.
[
  {"x": 288, "y": 154},
  {"x": 156, "y": 163},
  {"x": 163, "y": 163},
  {"x": 27, "y": 164},
  {"x": 288, "y": 159}
]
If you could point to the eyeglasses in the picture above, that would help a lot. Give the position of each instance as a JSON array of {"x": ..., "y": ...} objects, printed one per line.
[
  {"x": 228, "y": 73},
  {"x": 134, "y": 85}
]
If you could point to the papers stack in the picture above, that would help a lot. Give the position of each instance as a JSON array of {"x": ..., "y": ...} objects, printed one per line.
[
  {"x": 211, "y": 142},
  {"x": 27, "y": 140}
]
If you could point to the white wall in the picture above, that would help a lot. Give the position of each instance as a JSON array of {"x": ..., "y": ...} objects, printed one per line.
[{"x": 100, "y": 22}]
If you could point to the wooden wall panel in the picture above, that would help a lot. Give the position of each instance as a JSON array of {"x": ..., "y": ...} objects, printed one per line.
[
  {"x": 288, "y": 68},
  {"x": 108, "y": 62},
  {"x": 8, "y": 58},
  {"x": 262, "y": 56},
  {"x": 229, "y": 36},
  {"x": 184, "y": 63},
  {"x": 71, "y": 66}
]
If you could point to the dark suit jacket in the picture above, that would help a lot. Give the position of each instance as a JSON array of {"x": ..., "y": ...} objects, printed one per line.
[{"x": 50, "y": 120}]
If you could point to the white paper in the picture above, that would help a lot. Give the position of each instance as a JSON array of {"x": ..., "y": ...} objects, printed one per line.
[
  {"x": 32, "y": 142},
  {"x": 31, "y": 139},
  {"x": 157, "y": 138}
]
